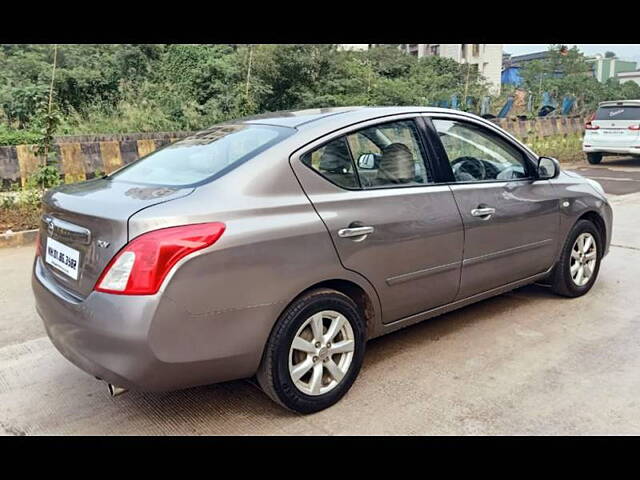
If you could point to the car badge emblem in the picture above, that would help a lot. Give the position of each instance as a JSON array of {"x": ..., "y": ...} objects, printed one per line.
[{"x": 103, "y": 244}]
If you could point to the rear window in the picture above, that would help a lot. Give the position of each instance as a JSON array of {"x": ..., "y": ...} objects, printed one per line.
[
  {"x": 618, "y": 113},
  {"x": 203, "y": 156}
]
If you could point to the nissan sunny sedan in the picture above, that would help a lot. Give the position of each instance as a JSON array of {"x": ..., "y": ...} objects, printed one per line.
[{"x": 276, "y": 246}]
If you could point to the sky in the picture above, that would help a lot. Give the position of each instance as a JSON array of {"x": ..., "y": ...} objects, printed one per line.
[{"x": 624, "y": 51}]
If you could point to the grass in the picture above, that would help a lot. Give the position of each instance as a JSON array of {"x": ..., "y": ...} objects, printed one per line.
[
  {"x": 19, "y": 217},
  {"x": 566, "y": 148}
]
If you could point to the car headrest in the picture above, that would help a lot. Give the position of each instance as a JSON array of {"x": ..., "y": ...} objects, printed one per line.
[{"x": 396, "y": 164}]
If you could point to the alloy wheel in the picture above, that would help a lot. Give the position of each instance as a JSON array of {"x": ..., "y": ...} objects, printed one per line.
[
  {"x": 584, "y": 256},
  {"x": 321, "y": 352}
]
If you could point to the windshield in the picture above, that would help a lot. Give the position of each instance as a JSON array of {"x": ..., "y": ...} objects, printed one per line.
[
  {"x": 618, "y": 113},
  {"x": 203, "y": 156}
]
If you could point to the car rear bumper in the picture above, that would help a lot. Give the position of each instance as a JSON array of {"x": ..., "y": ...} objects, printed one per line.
[
  {"x": 117, "y": 339},
  {"x": 624, "y": 150}
]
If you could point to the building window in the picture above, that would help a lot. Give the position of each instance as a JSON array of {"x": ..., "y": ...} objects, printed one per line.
[
  {"x": 476, "y": 50},
  {"x": 435, "y": 50},
  {"x": 463, "y": 50}
]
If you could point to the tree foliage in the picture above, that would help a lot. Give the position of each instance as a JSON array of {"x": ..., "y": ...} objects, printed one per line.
[
  {"x": 114, "y": 88},
  {"x": 119, "y": 88}
]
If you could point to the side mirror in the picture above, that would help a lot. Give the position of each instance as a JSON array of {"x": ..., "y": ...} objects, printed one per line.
[
  {"x": 548, "y": 168},
  {"x": 367, "y": 161}
]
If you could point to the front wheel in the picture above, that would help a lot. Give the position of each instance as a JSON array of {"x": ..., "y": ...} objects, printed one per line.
[
  {"x": 579, "y": 264},
  {"x": 314, "y": 352},
  {"x": 594, "y": 158}
]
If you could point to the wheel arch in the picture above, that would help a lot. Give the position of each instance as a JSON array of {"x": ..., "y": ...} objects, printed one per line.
[
  {"x": 367, "y": 301},
  {"x": 356, "y": 293},
  {"x": 595, "y": 218}
]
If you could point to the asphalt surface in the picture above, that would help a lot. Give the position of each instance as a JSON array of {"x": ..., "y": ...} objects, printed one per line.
[
  {"x": 526, "y": 362},
  {"x": 617, "y": 175}
]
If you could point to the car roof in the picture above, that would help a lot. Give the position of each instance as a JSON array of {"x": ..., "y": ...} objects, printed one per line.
[
  {"x": 295, "y": 118},
  {"x": 314, "y": 117}
]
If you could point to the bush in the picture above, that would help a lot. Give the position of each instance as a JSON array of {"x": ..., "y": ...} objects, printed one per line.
[{"x": 10, "y": 136}]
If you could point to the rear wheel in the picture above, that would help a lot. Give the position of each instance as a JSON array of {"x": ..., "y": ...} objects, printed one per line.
[
  {"x": 594, "y": 158},
  {"x": 579, "y": 264},
  {"x": 314, "y": 352}
]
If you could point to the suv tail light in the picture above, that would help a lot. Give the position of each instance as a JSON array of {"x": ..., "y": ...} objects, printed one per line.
[
  {"x": 634, "y": 127},
  {"x": 142, "y": 265},
  {"x": 588, "y": 126}
]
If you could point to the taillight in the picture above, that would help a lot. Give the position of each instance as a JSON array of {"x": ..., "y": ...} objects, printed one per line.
[
  {"x": 634, "y": 127},
  {"x": 588, "y": 126},
  {"x": 141, "y": 266}
]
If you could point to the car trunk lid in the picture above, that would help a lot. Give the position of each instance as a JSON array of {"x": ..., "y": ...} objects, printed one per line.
[
  {"x": 613, "y": 124},
  {"x": 84, "y": 225}
]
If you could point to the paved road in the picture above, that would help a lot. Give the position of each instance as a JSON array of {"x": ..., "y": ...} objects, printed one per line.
[
  {"x": 526, "y": 362},
  {"x": 617, "y": 175}
]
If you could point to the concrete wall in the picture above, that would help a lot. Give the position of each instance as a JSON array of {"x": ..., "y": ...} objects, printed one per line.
[
  {"x": 80, "y": 157},
  {"x": 543, "y": 127}
]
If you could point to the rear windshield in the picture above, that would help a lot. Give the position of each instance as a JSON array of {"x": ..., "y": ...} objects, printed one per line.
[
  {"x": 203, "y": 156},
  {"x": 618, "y": 113}
]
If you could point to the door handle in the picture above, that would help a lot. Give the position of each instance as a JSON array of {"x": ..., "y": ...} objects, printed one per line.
[
  {"x": 483, "y": 212},
  {"x": 357, "y": 233}
]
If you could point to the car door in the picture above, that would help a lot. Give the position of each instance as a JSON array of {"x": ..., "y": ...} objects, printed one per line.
[
  {"x": 510, "y": 218},
  {"x": 374, "y": 189}
]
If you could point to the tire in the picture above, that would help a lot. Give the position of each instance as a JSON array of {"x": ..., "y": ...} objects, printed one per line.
[
  {"x": 275, "y": 375},
  {"x": 562, "y": 280},
  {"x": 594, "y": 158}
]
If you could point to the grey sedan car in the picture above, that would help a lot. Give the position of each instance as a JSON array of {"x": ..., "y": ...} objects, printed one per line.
[{"x": 275, "y": 246}]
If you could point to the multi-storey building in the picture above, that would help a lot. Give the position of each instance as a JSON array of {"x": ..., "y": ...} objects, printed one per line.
[
  {"x": 485, "y": 58},
  {"x": 605, "y": 68}
]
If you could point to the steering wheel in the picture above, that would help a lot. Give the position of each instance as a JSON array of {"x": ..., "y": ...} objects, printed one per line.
[{"x": 469, "y": 165}]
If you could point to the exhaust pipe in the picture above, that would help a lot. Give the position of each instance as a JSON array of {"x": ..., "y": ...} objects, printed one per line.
[{"x": 114, "y": 390}]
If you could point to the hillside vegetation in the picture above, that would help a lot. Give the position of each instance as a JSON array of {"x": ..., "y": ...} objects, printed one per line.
[
  {"x": 142, "y": 88},
  {"x": 118, "y": 88}
]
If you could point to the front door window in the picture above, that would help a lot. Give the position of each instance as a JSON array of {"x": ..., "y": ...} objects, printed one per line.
[{"x": 478, "y": 155}]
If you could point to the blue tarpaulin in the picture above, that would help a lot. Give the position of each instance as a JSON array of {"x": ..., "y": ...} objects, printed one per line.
[
  {"x": 506, "y": 108},
  {"x": 547, "y": 100},
  {"x": 567, "y": 105},
  {"x": 511, "y": 76}
]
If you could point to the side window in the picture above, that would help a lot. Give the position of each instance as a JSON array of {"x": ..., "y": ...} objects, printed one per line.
[
  {"x": 476, "y": 154},
  {"x": 333, "y": 161},
  {"x": 389, "y": 154}
]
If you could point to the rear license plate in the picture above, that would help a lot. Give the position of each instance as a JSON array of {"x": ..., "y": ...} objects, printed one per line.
[
  {"x": 613, "y": 132},
  {"x": 63, "y": 258}
]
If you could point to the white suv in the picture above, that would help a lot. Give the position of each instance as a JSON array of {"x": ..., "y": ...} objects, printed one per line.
[{"x": 613, "y": 130}]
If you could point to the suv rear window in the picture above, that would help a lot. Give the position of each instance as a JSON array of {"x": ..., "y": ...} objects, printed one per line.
[
  {"x": 204, "y": 156},
  {"x": 618, "y": 113}
]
